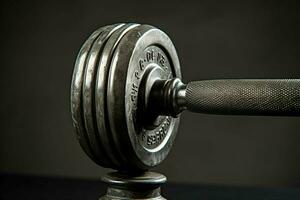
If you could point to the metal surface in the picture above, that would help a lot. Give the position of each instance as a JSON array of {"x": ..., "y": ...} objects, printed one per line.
[
  {"x": 111, "y": 84},
  {"x": 101, "y": 97},
  {"x": 142, "y": 186},
  {"x": 127, "y": 96},
  {"x": 143, "y": 48},
  {"x": 76, "y": 94},
  {"x": 88, "y": 96},
  {"x": 245, "y": 97},
  {"x": 269, "y": 97}
]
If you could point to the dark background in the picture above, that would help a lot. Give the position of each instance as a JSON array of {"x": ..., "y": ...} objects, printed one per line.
[{"x": 255, "y": 39}]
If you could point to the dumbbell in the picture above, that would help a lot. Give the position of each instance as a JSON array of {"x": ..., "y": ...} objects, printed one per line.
[{"x": 127, "y": 96}]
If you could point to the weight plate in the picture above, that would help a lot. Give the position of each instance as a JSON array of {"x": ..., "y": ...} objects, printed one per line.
[
  {"x": 88, "y": 95},
  {"x": 76, "y": 95},
  {"x": 141, "y": 50},
  {"x": 107, "y": 139}
]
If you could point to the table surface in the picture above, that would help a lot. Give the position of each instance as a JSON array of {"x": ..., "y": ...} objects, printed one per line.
[{"x": 34, "y": 187}]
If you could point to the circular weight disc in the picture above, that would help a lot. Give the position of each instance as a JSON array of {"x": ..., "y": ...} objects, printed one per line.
[
  {"x": 141, "y": 49},
  {"x": 76, "y": 95},
  {"x": 100, "y": 96},
  {"x": 88, "y": 94}
]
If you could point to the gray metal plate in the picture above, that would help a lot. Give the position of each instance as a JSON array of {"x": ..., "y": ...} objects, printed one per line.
[
  {"x": 123, "y": 85},
  {"x": 107, "y": 139},
  {"x": 88, "y": 94},
  {"x": 76, "y": 95}
]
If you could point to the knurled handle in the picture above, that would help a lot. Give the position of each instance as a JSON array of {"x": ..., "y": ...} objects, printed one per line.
[{"x": 275, "y": 97}]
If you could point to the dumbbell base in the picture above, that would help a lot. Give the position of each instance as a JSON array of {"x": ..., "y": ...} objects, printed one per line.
[{"x": 138, "y": 186}]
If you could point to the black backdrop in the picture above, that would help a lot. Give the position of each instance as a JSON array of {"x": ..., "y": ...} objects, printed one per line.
[{"x": 254, "y": 39}]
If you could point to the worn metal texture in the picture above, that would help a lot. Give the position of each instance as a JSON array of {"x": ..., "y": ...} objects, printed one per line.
[
  {"x": 110, "y": 89},
  {"x": 127, "y": 96},
  {"x": 142, "y": 49}
]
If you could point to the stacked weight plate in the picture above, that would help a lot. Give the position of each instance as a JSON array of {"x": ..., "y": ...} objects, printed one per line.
[{"x": 108, "y": 74}]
